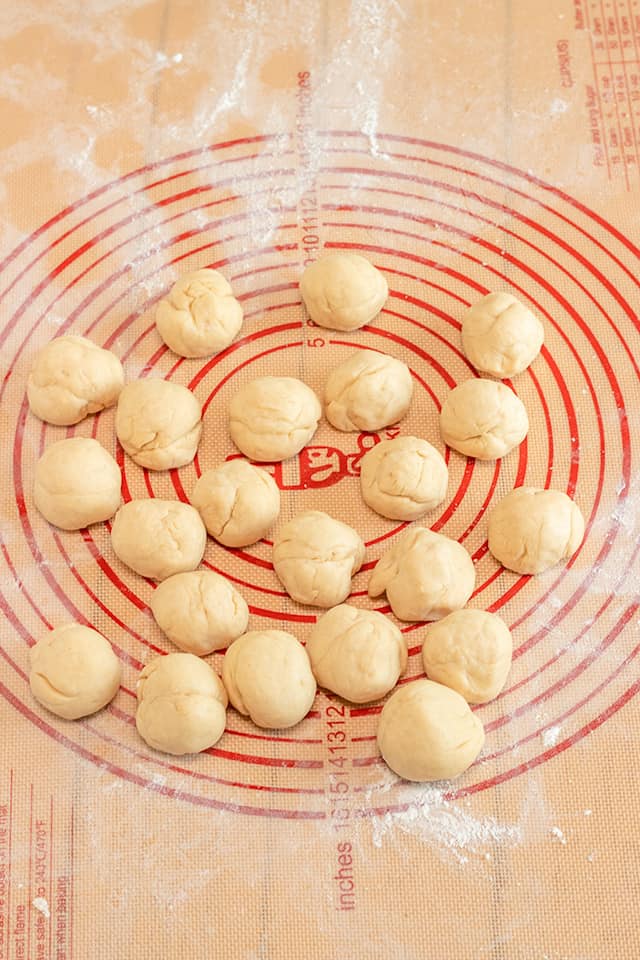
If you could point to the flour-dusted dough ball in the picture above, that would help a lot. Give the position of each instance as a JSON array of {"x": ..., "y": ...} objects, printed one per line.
[
  {"x": 200, "y": 611},
  {"x": 368, "y": 391},
  {"x": 158, "y": 423},
  {"x": 268, "y": 677},
  {"x": 74, "y": 671},
  {"x": 158, "y": 538},
  {"x": 343, "y": 291},
  {"x": 425, "y": 575},
  {"x": 531, "y": 530},
  {"x": 77, "y": 483},
  {"x": 469, "y": 651},
  {"x": 72, "y": 378},
  {"x": 483, "y": 419},
  {"x": 427, "y": 732},
  {"x": 501, "y": 336},
  {"x": 315, "y": 557},
  {"x": 237, "y": 501},
  {"x": 403, "y": 479},
  {"x": 273, "y": 418},
  {"x": 199, "y": 316},
  {"x": 182, "y": 704},
  {"x": 358, "y": 654}
]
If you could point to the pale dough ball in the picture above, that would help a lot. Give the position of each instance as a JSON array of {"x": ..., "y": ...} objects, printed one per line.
[
  {"x": 427, "y": 732},
  {"x": 74, "y": 671},
  {"x": 501, "y": 336},
  {"x": 181, "y": 704},
  {"x": 77, "y": 483},
  {"x": 273, "y": 418},
  {"x": 531, "y": 530},
  {"x": 199, "y": 316},
  {"x": 343, "y": 291},
  {"x": 158, "y": 423},
  {"x": 237, "y": 502},
  {"x": 483, "y": 419},
  {"x": 425, "y": 575},
  {"x": 358, "y": 654},
  {"x": 268, "y": 677},
  {"x": 200, "y": 611},
  {"x": 403, "y": 479},
  {"x": 72, "y": 377},
  {"x": 469, "y": 651},
  {"x": 368, "y": 391},
  {"x": 158, "y": 538},
  {"x": 315, "y": 557}
]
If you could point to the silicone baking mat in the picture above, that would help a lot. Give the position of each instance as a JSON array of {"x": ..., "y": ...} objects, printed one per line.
[{"x": 462, "y": 149}]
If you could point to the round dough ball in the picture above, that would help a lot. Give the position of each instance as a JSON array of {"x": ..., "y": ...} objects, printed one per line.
[
  {"x": 199, "y": 316},
  {"x": 427, "y": 732},
  {"x": 403, "y": 479},
  {"x": 158, "y": 538},
  {"x": 71, "y": 378},
  {"x": 501, "y": 336},
  {"x": 358, "y": 654},
  {"x": 158, "y": 423},
  {"x": 237, "y": 502},
  {"x": 181, "y": 704},
  {"x": 268, "y": 677},
  {"x": 425, "y": 575},
  {"x": 469, "y": 651},
  {"x": 199, "y": 611},
  {"x": 315, "y": 557},
  {"x": 483, "y": 419},
  {"x": 77, "y": 483},
  {"x": 368, "y": 391},
  {"x": 273, "y": 418},
  {"x": 74, "y": 671},
  {"x": 531, "y": 530},
  {"x": 343, "y": 291}
]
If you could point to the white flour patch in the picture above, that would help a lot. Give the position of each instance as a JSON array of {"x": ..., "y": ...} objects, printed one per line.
[
  {"x": 550, "y": 736},
  {"x": 558, "y": 836},
  {"x": 42, "y": 905}
]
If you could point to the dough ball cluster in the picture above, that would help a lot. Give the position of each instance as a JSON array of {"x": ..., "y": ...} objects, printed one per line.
[
  {"x": 158, "y": 423},
  {"x": 315, "y": 557},
  {"x": 343, "y": 291},
  {"x": 368, "y": 391},
  {"x": 501, "y": 336},
  {"x": 403, "y": 479},
  {"x": 531, "y": 530},
  {"x": 74, "y": 671},
  {"x": 199, "y": 316},
  {"x": 181, "y": 704},
  {"x": 237, "y": 502},
  {"x": 72, "y": 378},
  {"x": 273, "y": 418},
  {"x": 77, "y": 483},
  {"x": 483, "y": 419},
  {"x": 158, "y": 538}
]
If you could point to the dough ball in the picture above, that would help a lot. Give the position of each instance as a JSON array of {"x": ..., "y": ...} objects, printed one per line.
[
  {"x": 425, "y": 575},
  {"x": 77, "y": 483},
  {"x": 315, "y": 558},
  {"x": 268, "y": 677},
  {"x": 501, "y": 336},
  {"x": 71, "y": 378},
  {"x": 427, "y": 732},
  {"x": 158, "y": 538},
  {"x": 343, "y": 291},
  {"x": 158, "y": 423},
  {"x": 273, "y": 418},
  {"x": 199, "y": 316},
  {"x": 199, "y": 611},
  {"x": 483, "y": 419},
  {"x": 469, "y": 651},
  {"x": 368, "y": 391},
  {"x": 531, "y": 530},
  {"x": 74, "y": 671},
  {"x": 181, "y": 704},
  {"x": 403, "y": 479},
  {"x": 358, "y": 654},
  {"x": 237, "y": 501}
]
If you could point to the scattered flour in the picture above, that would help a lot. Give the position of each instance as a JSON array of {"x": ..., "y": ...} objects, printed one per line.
[{"x": 42, "y": 905}]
